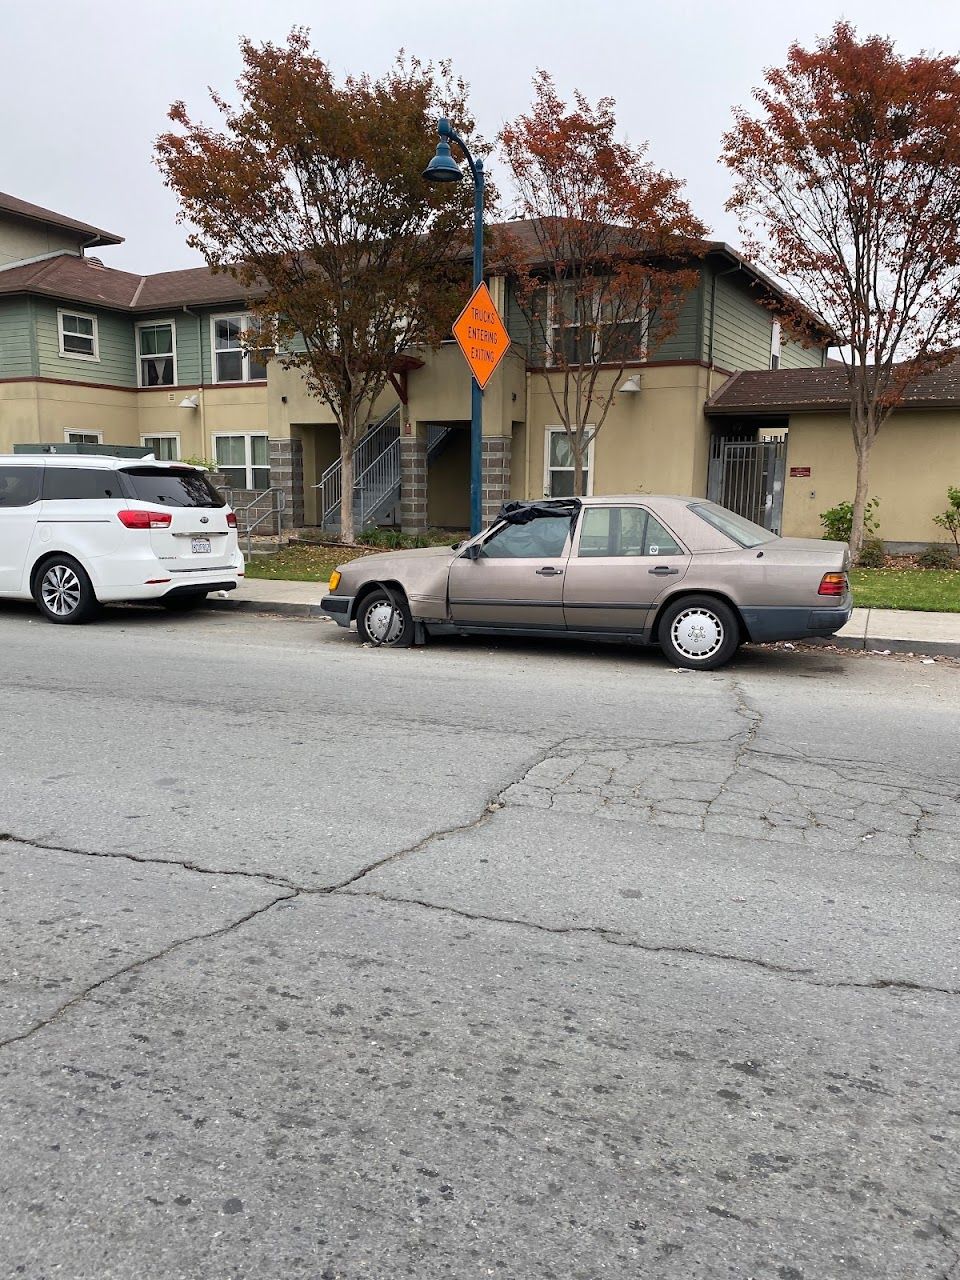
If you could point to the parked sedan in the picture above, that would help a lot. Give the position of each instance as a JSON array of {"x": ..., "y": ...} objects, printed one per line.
[{"x": 682, "y": 573}]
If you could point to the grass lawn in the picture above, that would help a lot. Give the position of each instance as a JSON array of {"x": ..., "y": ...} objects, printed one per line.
[
  {"x": 876, "y": 588},
  {"x": 936, "y": 590},
  {"x": 302, "y": 563}
]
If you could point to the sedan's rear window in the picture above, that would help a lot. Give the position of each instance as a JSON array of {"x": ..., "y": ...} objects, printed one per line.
[
  {"x": 171, "y": 487},
  {"x": 743, "y": 532}
]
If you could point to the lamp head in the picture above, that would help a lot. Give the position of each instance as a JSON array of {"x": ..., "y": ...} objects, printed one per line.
[{"x": 443, "y": 167}]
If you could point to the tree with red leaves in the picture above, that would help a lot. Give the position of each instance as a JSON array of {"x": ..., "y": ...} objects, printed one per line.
[
  {"x": 848, "y": 188},
  {"x": 603, "y": 259},
  {"x": 312, "y": 197}
]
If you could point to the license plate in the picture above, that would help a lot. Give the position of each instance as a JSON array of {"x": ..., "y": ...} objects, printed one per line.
[{"x": 201, "y": 546}]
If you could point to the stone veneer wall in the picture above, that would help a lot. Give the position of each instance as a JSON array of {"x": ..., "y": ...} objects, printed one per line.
[
  {"x": 495, "y": 461},
  {"x": 413, "y": 483},
  {"x": 286, "y": 473}
]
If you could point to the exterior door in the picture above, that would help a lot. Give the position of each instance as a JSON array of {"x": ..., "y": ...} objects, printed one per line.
[
  {"x": 19, "y": 504},
  {"x": 746, "y": 476},
  {"x": 517, "y": 579},
  {"x": 622, "y": 565}
]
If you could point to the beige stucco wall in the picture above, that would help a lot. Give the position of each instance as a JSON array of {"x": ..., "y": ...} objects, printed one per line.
[
  {"x": 655, "y": 440},
  {"x": 915, "y": 457}
]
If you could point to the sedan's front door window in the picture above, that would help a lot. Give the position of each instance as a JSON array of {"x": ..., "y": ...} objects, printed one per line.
[{"x": 545, "y": 538}]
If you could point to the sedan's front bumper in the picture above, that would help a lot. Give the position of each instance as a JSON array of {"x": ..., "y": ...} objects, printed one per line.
[{"x": 339, "y": 608}]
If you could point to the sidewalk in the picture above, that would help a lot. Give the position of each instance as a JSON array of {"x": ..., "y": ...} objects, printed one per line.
[{"x": 899, "y": 630}]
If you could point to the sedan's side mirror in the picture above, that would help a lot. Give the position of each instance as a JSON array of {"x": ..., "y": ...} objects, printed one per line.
[{"x": 474, "y": 551}]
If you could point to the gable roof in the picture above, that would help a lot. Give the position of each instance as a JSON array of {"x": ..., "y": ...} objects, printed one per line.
[
  {"x": 34, "y": 213},
  {"x": 86, "y": 280},
  {"x": 778, "y": 391}
]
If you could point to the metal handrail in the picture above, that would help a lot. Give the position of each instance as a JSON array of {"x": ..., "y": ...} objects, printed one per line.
[
  {"x": 278, "y": 503},
  {"x": 380, "y": 478},
  {"x": 366, "y": 452}
]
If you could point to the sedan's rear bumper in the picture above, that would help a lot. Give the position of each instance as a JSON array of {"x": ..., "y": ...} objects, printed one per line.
[
  {"x": 767, "y": 624},
  {"x": 339, "y": 608}
]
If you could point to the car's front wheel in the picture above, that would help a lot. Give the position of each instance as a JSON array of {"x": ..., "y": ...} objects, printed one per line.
[
  {"x": 63, "y": 592},
  {"x": 384, "y": 618},
  {"x": 699, "y": 632}
]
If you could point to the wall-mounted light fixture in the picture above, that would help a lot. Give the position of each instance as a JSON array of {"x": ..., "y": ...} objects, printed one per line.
[
  {"x": 189, "y": 402},
  {"x": 631, "y": 385}
]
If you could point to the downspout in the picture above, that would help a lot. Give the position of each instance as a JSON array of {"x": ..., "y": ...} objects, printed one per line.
[{"x": 203, "y": 421}]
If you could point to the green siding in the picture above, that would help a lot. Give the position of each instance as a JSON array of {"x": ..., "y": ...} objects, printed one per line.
[
  {"x": 741, "y": 338},
  {"x": 795, "y": 356},
  {"x": 683, "y": 343},
  {"x": 117, "y": 364},
  {"x": 17, "y": 349}
]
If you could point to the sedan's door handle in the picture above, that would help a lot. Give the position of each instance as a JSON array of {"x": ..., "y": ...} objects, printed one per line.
[
  {"x": 663, "y": 570},
  {"x": 548, "y": 571}
]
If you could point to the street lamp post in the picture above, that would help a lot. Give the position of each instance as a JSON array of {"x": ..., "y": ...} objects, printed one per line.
[{"x": 443, "y": 168}]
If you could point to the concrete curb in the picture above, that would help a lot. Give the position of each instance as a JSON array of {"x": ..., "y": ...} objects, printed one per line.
[{"x": 288, "y": 608}]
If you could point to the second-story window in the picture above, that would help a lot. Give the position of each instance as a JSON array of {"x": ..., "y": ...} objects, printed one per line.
[
  {"x": 233, "y": 361},
  {"x": 775, "y": 339},
  {"x": 78, "y": 335},
  {"x": 586, "y": 326},
  {"x": 156, "y": 347}
]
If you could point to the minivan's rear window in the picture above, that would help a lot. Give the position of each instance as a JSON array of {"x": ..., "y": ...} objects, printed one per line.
[
  {"x": 171, "y": 487},
  {"x": 85, "y": 484}
]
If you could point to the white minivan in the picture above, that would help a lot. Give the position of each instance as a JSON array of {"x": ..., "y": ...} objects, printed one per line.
[{"x": 79, "y": 531}]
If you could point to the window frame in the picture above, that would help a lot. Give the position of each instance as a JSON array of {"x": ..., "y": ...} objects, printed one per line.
[
  {"x": 548, "y": 431},
  {"x": 776, "y": 345},
  {"x": 648, "y": 514},
  {"x": 596, "y": 321},
  {"x": 244, "y": 353},
  {"x": 249, "y": 467},
  {"x": 95, "y": 336},
  {"x": 153, "y": 324},
  {"x": 162, "y": 435},
  {"x": 77, "y": 431}
]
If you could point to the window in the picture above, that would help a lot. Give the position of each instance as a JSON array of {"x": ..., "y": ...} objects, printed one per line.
[
  {"x": 169, "y": 488},
  {"x": 558, "y": 464},
  {"x": 19, "y": 486},
  {"x": 156, "y": 352},
  {"x": 78, "y": 335},
  {"x": 244, "y": 460},
  {"x": 624, "y": 531},
  {"x": 544, "y": 538},
  {"x": 233, "y": 362},
  {"x": 83, "y": 437},
  {"x": 584, "y": 328},
  {"x": 86, "y": 484},
  {"x": 743, "y": 532},
  {"x": 775, "y": 336},
  {"x": 165, "y": 448}
]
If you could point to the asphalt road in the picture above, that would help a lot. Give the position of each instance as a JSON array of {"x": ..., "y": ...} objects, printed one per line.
[{"x": 473, "y": 960}]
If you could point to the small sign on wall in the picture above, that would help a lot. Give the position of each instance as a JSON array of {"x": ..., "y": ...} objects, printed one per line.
[{"x": 797, "y": 473}]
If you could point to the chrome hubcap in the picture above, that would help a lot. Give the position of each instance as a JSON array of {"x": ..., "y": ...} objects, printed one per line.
[
  {"x": 697, "y": 633},
  {"x": 378, "y": 619},
  {"x": 60, "y": 590}
]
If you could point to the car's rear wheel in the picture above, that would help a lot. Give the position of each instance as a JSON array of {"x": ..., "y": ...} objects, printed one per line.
[
  {"x": 183, "y": 604},
  {"x": 384, "y": 618},
  {"x": 699, "y": 632},
  {"x": 63, "y": 592}
]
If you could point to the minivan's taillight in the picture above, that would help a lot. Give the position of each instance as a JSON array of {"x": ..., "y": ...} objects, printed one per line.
[
  {"x": 144, "y": 519},
  {"x": 231, "y": 519},
  {"x": 833, "y": 584}
]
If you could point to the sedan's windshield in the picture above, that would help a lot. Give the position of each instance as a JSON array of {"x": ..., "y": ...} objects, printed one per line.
[{"x": 743, "y": 532}]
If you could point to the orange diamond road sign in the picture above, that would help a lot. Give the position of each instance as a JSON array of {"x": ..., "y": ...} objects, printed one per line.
[{"x": 482, "y": 335}]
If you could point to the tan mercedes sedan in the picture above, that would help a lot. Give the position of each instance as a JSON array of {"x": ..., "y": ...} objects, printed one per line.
[{"x": 682, "y": 573}]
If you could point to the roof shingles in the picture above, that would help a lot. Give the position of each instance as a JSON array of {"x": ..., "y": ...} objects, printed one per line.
[{"x": 779, "y": 391}]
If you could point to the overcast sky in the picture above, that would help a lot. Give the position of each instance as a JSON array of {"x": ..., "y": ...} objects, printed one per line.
[{"x": 84, "y": 87}]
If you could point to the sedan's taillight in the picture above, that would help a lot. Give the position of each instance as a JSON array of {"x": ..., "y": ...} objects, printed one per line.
[
  {"x": 833, "y": 584},
  {"x": 231, "y": 520},
  {"x": 144, "y": 519}
]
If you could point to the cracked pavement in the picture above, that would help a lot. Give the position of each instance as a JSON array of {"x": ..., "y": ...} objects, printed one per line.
[{"x": 532, "y": 961}]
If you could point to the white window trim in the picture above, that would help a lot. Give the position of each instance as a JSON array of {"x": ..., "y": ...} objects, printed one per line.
[
  {"x": 556, "y": 329},
  {"x": 161, "y": 435},
  {"x": 548, "y": 432},
  {"x": 81, "y": 315},
  {"x": 79, "y": 431},
  {"x": 245, "y": 365},
  {"x": 776, "y": 343},
  {"x": 248, "y": 436},
  {"x": 150, "y": 324}
]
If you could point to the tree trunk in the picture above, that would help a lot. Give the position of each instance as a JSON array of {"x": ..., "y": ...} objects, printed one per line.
[
  {"x": 862, "y": 442},
  {"x": 577, "y": 467},
  {"x": 347, "y": 532}
]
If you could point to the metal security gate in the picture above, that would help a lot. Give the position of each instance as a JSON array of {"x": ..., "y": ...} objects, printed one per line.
[{"x": 746, "y": 475}]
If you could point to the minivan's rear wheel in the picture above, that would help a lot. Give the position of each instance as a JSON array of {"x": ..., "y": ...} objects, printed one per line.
[
  {"x": 699, "y": 632},
  {"x": 63, "y": 592},
  {"x": 384, "y": 619},
  {"x": 183, "y": 604}
]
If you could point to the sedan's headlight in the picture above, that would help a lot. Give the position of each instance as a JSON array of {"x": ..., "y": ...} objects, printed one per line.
[{"x": 334, "y": 579}]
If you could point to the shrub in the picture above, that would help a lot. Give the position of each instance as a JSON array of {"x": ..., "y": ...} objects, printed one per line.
[
  {"x": 872, "y": 554},
  {"x": 950, "y": 519},
  {"x": 838, "y": 521},
  {"x": 936, "y": 557},
  {"x": 391, "y": 539}
]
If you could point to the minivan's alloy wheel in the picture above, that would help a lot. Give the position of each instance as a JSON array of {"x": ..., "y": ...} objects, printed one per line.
[
  {"x": 699, "y": 632},
  {"x": 63, "y": 591},
  {"x": 385, "y": 620}
]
